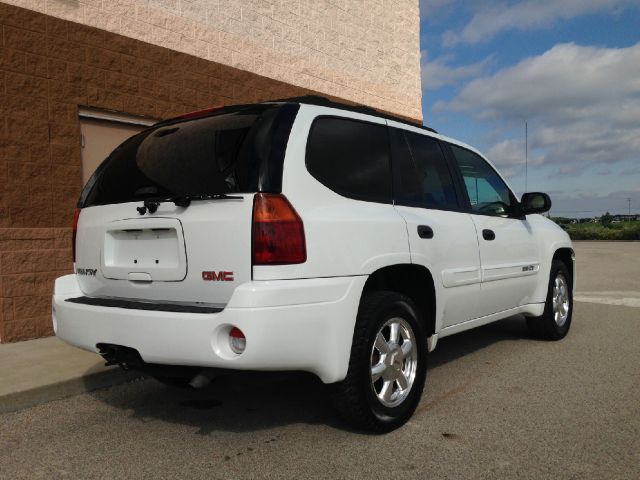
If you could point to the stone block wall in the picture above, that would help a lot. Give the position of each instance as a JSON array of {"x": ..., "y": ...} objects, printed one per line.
[{"x": 365, "y": 51}]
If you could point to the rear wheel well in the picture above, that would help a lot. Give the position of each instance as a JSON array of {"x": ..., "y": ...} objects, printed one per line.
[
  {"x": 565, "y": 255},
  {"x": 414, "y": 281}
]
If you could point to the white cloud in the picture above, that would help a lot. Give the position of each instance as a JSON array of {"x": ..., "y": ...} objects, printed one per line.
[
  {"x": 582, "y": 103},
  {"x": 507, "y": 153},
  {"x": 439, "y": 72},
  {"x": 492, "y": 18},
  {"x": 509, "y": 157}
]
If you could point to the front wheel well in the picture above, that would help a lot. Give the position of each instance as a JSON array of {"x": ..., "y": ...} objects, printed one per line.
[
  {"x": 565, "y": 255},
  {"x": 414, "y": 281}
]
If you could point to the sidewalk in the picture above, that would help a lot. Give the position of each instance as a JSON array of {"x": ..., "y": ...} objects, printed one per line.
[{"x": 38, "y": 371}]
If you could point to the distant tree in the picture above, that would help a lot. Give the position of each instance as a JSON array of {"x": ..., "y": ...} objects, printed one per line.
[
  {"x": 561, "y": 220},
  {"x": 606, "y": 219}
]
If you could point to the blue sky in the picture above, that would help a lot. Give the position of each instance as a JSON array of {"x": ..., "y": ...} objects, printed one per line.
[{"x": 569, "y": 68}]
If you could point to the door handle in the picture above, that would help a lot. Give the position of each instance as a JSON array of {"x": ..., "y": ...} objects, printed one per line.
[
  {"x": 488, "y": 234},
  {"x": 425, "y": 231}
]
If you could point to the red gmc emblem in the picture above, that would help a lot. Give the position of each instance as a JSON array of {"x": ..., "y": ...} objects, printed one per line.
[{"x": 217, "y": 276}]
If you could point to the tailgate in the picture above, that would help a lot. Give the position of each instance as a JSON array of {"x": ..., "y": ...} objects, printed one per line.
[
  {"x": 144, "y": 249},
  {"x": 197, "y": 254}
]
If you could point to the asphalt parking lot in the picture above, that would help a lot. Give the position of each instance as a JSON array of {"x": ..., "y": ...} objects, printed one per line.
[{"x": 497, "y": 405}]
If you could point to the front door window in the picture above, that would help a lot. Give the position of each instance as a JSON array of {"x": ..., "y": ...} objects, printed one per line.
[{"x": 488, "y": 194}]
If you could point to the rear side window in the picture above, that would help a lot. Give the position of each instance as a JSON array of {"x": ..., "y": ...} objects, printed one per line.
[
  {"x": 351, "y": 158},
  {"x": 421, "y": 175},
  {"x": 224, "y": 153}
]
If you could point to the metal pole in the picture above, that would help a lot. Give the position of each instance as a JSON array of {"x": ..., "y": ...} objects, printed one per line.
[{"x": 526, "y": 155}]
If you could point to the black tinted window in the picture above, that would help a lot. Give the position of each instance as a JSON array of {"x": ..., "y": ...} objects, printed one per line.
[
  {"x": 216, "y": 154},
  {"x": 351, "y": 158},
  {"x": 488, "y": 194},
  {"x": 421, "y": 175}
]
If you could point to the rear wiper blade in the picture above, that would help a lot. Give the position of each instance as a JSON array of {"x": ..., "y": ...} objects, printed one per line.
[
  {"x": 152, "y": 204},
  {"x": 185, "y": 200}
]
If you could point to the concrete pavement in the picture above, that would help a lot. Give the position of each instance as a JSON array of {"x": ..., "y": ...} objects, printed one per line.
[
  {"x": 46, "y": 369},
  {"x": 608, "y": 273},
  {"x": 497, "y": 405}
]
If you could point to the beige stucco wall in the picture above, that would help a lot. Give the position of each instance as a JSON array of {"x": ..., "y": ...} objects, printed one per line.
[{"x": 366, "y": 51}]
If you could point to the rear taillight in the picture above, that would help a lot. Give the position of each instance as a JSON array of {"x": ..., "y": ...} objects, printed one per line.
[
  {"x": 278, "y": 233},
  {"x": 76, "y": 216},
  {"x": 197, "y": 113}
]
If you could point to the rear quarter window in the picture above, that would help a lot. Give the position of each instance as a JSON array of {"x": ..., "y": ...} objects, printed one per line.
[{"x": 350, "y": 157}]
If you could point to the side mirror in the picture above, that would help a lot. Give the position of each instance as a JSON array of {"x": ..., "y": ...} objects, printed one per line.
[{"x": 535, "y": 202}]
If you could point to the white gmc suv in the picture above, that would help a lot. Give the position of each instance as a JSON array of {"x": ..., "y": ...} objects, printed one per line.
[{"x": 305, "y": 235}]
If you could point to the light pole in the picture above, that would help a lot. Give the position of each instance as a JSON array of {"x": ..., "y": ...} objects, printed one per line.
[{"x": 526, "y": 155}]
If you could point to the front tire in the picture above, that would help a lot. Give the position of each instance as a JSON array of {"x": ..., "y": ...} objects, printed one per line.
[
  {"x": 555, "y": 322},
  {"x": 388, "y": 364}
]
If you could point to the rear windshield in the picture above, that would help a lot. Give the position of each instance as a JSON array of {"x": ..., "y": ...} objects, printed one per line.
[{"x": 233, "y": 152}]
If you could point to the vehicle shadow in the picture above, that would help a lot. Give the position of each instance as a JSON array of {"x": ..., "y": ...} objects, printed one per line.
[
  {"x": 457, "y": 346},
  {"x": 253, "y": 401}
]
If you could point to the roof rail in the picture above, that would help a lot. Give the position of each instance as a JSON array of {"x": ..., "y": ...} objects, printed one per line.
[{"x": 326, "y": 102}]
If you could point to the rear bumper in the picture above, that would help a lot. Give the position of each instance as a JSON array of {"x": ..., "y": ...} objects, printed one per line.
[{"x": 304, "y": 325}]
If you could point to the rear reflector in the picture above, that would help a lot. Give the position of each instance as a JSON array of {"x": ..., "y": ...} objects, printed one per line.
[
  {"x": 76, "y": 217},
  {"x": 278, "y": 232},
  {"x": 237, "y": 341}
]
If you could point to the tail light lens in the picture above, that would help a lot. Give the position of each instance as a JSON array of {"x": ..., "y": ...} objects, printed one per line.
[
  {"x": 198, "y": 113},
  {"x": 76, "y": 216},
  {"x": 278, "y": 232},
  {"x": 237, "y": 341}
]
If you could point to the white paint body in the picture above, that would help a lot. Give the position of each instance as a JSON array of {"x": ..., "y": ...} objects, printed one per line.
[{"x": 295, "y": 317}]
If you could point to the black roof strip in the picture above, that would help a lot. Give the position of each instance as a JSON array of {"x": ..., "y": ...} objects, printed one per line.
[{"x": 325, "y": 102}]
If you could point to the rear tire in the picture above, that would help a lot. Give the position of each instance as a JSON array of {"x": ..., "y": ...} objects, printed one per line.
[
  {"x": 388, "y": 364},
  {"x": 555, "y": 322}
]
